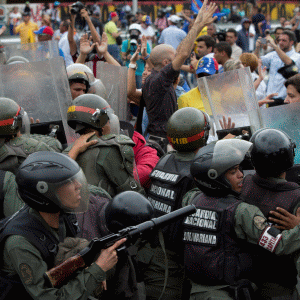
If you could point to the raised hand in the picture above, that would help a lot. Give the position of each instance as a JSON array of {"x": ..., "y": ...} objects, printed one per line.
[
  {"x": 144, "y": 46},
  {"x": 102, "y": 48},
  {"x": 85, "y": 46},
  {"x": 226, "y": 124},
  {"x": 135, "y": 57},
  {"x": 205, "y": 14}
]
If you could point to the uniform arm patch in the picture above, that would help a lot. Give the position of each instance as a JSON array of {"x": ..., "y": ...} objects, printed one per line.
[
  {"x": 270, "y": 238},
  {"x": 26, "y": 273}
]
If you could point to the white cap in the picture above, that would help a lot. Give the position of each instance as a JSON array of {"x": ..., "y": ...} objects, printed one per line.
[{"x": 174, "y": 19}]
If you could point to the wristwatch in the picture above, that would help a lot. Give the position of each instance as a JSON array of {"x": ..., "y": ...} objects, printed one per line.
[{"x": 132, "y": 66}]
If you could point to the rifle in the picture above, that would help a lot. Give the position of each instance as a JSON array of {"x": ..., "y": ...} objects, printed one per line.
[{"x": 57, "y": 275}]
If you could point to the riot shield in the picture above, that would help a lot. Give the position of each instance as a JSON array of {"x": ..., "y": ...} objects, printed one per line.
[
  {"x": 41, "y": 88},
  {"x": 114, "y": 79},
  {"x": 231, "y": 94},
  {"x": 40, "y": 51},
  {"x": 285, "y": 118}
]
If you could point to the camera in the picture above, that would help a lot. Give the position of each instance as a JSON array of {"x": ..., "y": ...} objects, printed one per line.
[
  {"x": 76, "y": 8},
  {"x": 221, "y": 35},
  {"x": 263, "y": 41}
]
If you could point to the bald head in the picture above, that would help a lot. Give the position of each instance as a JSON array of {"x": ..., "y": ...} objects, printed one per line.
[{"x": 162, "y": 55}]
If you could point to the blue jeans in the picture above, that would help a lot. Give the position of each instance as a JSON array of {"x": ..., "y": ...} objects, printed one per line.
[{"x": 114, "y": 51}]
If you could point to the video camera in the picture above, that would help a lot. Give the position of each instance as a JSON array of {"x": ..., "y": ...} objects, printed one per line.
[
  {"x": 161, "y": 12},
  {"x": 76, "y": 8}
]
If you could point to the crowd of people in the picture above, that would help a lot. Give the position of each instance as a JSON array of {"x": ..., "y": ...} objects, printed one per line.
[{"x": 63, "y": 192}]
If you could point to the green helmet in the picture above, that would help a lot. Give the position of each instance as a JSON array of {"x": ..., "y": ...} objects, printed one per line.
[
  {"x": 12, "y": 117},
  {"x": 88, "y": 111},
  {"x": 188, "y": 129}
]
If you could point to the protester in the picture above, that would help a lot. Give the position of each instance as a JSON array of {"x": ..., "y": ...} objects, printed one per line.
[
  {"x": 172, "y": 35},
  {"x": 243, "y": 39},
  {"x": 231, "y": 38},
  {"x": 26, "y": 29},
  {"x": 283, "y": 56},
  {"x": 147, "y": 30},
  {"x": 112, "y": 33},
  {"x": 14, "y": 15},
  {"x": 223, "y": 53}
]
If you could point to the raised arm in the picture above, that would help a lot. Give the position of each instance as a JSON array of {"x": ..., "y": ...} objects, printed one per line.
[
  {"x": 72, "y": 43},
  {"x": 102, "y": 51},
  {"x": 283, "y": 56},
  {"x": 204, "y": 18},
  {"x": 94, "y": 33}
]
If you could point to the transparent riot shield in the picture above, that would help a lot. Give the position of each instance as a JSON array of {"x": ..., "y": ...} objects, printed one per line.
[
  {"x": 231, "y": 94},
  {"x": 41, "y": 88},
  {"x": 39, "y": 51},
  {"x": 115, "y": 81},
  {"x": 285, "y": 118}
]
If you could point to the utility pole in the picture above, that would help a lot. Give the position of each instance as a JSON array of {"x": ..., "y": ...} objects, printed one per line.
[{"x": 134, "y": 6}]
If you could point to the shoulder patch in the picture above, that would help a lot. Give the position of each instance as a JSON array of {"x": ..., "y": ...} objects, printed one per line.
[
  {"x": 259, "y": 222},
  {"x": 26, "y": 273}
]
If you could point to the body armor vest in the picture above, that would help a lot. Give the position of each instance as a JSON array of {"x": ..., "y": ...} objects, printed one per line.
[
  {"x": 170, "y": 180},
  {"x": 25, "y": 224},
  {"x": 286, "y": 195},
  {"x": 14, "y": 152},
  {"x": 212, "y": 254},
  {"x": 97, "y": 176}
]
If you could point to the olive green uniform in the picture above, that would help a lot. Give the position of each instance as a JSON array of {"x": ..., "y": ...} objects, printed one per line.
[
  {"x": 21, "y": 257},
  {"x": 12, "y": 201},
  {"x": 153, "y": 262},
  {"x": 109, "y": 164},
  {"x": 14, "y": 152},
  {"x": 52, "y": 142},
  {"x": 249, "y": 225}
]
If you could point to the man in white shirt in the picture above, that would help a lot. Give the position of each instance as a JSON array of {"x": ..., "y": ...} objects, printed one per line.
[
  {"x": 147, "y": 30},
  {"x": 172, "y": 35},
  {"x": 231, "y": 37},
  {"x": 283, "y": 56}
]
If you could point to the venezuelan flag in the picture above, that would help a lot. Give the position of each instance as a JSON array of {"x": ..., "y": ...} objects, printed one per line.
[{"x": 196, "y": 5}]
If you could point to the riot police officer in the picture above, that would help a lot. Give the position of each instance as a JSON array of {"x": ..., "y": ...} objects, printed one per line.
[
  {"x": 272, "y": 155},
  {"x": 108, "y": 162},
  {"x": 187, "y": 131},
  {"x": 15, "y": 141},
  {"x": 216, "y": 260},
  {"x": 52, "y": 185}
]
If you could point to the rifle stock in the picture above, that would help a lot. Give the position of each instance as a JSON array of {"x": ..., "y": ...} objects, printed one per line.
[{"x": 59, "y": 274}]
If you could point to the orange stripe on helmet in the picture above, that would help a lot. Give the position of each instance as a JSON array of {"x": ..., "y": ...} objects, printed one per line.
[
  {"x": 84, "y": 109},
  {"x": 11, "y": 120},
  {"x": 186, "y": 140}
]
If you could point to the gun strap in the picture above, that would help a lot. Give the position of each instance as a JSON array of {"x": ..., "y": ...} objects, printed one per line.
[{"x": 162, "y": 243}]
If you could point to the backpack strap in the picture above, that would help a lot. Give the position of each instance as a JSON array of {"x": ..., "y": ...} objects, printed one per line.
[{"x": 2, "y": 176}]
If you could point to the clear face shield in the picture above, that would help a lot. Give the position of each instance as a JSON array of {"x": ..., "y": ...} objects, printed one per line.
[
  {"x": 98, "y": 88},
  {"x": 25, "y": 129},
  {"x": 113, "y": 121},
  {"x": 21, "y": 122},
  {"x": 71, "y": 195},
  {"x": 227, "y": 154}
]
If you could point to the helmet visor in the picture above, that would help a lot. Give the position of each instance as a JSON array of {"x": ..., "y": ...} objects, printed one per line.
[
  {"x": 227, "y": 154},
  {"x": 80, "y": 68},
  {"x": 25, "y": 129},
  {"x": 72, "y": 194}
]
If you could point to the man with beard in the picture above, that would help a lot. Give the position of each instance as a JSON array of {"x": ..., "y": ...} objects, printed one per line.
[{"x": 283, "y": 56}]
